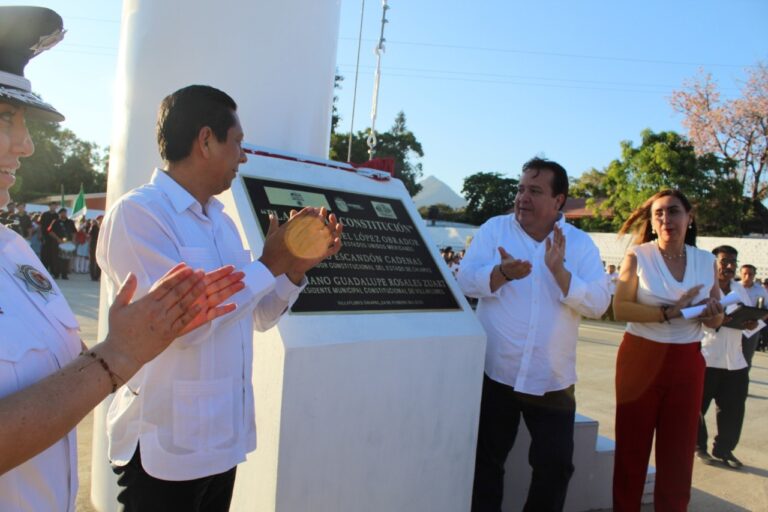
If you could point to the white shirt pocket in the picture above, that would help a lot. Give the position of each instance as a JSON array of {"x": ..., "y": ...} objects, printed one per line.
[
  {"x": 24, "y": 358},
  {"x": 203, "y": 414},
  {"x": 61, "y": 310}
]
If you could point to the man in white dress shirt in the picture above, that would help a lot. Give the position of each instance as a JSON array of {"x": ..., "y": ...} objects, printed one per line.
[
  {"x": 727, "y": 374},
  {"x": 613, "y": 276},
  {"x": 756, "y": 292},
  {"x": 533, "y": 289},
  {"x": 176, "y": 444}
]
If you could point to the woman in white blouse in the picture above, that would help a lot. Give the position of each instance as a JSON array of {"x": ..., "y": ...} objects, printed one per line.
[
  {"x": 659, "y": 367},
  {"x": 48, "y": 381}
]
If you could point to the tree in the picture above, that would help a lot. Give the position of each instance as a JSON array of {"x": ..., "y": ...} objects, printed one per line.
[
  {"x": 488, "y": 194},
  {"x": 335, "y": 117},
  {"x": 441, "y": 211},
  {"x": 399, "y": 143},
  {"x": 590, "y": 184},
  {"x": 734, "y": 129},
  {"x": 60, "y": 158},
  {"x": 668, "y": 160}
]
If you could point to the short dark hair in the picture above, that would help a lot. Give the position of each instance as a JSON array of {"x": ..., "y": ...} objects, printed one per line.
[
  {"x": 559, "y": 175},
  {"x": 185, "y": 112},
  {"x": 62, "y": 210},
  {"x": 750, "y": 267},
  {"x": 725, "y": 249}
]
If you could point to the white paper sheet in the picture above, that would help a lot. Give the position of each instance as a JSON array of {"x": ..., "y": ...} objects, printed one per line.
[{"x": 694, "y": 311}]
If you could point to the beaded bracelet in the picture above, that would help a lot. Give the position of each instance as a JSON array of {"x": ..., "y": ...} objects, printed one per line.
[
  {"x": 501, "y": 271},
  {"x": 114, "y": 378}
]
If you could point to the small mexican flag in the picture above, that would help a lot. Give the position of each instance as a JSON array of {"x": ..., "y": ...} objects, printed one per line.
[{"x": 78, "y": 206}]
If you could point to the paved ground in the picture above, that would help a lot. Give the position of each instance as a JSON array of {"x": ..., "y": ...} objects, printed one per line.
[{"x": 715, "y": 488}]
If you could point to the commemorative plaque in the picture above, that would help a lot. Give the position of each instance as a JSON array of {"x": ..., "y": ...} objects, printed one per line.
[{"x": 384, "y": 264}]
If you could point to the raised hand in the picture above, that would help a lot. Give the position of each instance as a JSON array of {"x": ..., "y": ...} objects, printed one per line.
[
  {"x": 326, "y": 241},
  {"x": 304, "y": 240},
  {"x": 220, "y": 284},
  {"x": 139, "y": 331},
  {"x": 554, "y": 255},
  {"x": 513, "y": 268}
]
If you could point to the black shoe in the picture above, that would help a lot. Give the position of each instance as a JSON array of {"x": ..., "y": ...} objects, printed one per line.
[
  {"x": 65, "y": 277},
  {"x": 730, "y": 460},
  {"x": 704, "y": 457}
]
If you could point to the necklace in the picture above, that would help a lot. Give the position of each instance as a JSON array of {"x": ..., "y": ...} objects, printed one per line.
[{"x": 672, "y": 256}]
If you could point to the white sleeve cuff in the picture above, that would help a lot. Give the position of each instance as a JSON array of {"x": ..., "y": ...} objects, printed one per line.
[
  {"x": 258, "y": 279},
  {"x": 286, "y": 290}
]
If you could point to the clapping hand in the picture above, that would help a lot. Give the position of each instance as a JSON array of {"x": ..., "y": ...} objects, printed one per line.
[
  {"x": 304, "y": 240},
  {"x": 220, "y": 284},
  {"x": 711, "y": 310},
  {"x": 554, "y": 257},
  {"x": 513, "y": 268},
  {"x": 684, "y": 301},
  {"x": 326, "y": 239}
]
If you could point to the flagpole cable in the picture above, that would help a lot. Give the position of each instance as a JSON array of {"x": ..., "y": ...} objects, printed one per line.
[
  {"x": 379, "y": 50},
  {"x": 357, "y": 74}
]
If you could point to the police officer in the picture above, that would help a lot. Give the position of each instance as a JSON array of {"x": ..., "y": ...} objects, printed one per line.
[{"x": 48, "y": 383}]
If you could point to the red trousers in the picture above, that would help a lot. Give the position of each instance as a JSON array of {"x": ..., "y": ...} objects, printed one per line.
[{"x": 658, "y": 389}]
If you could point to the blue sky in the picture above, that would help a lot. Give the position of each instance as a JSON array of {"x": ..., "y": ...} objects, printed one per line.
[{"x": 485, "y": 85}]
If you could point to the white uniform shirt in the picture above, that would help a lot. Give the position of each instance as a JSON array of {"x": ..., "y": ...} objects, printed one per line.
[
  {"x": 38, "y": 335},
  {"x": 531, "y": 326},
  {"x": 721, "y": 348},
  {"x": 612, "y": 278},
  {"x": 656, "y": 286},
  {"x": 754, "y": 292},
  {"x": 194, "y": 414}
]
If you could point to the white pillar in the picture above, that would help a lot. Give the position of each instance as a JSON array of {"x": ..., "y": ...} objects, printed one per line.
[{"x": 275, "y": 58}]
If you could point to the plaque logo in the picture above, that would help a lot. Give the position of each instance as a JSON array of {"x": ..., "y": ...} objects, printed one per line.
[
  {"x": 384, "y": 210},
  {"x": 341, "y": 204}
]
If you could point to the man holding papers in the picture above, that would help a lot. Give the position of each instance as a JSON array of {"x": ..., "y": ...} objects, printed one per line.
[{"x": 727, "y": 375}]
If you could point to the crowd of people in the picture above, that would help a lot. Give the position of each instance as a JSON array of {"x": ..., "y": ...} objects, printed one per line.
[
  {"x": 62, "y": 245},
  {"x": 178, "y": 354}
]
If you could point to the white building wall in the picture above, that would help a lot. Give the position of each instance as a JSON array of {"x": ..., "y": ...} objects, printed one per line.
[{"x": 612, "y": 247}]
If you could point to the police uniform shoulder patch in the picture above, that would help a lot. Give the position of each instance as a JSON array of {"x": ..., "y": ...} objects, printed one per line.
[{"x": 35, "y": 280}]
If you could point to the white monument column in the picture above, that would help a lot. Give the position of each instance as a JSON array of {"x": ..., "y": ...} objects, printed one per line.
[{"x": 275, "y": 58}]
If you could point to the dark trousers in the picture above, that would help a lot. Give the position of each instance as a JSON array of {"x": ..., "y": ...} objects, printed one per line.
[
  {"x": 140, "y": 492},
  {"x": 93, "y": 267},
  {"x": 61, "y": 268},
  {"x": 549, "y": 419},
  {"x": 658, "y": 390},
  {"x": 748, "y": 346},
  {"x": 729, "y": 390},
  {"x": 49, "y": 254}
]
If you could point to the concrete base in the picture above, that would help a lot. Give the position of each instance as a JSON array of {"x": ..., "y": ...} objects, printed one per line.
[
  {"x": 374, "y": 425},
  {"x": 591, "y": 485}
]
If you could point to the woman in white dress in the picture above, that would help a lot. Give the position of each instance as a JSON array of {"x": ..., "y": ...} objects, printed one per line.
[{"x": 659, "y": 367}]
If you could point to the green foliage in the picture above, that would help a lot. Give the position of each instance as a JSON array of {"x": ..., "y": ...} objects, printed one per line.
[
  {"x": 398, "y": 143},
  {"x": 590, "y": 184},
  {"x": 488, "y": 194},
  {"x": 668, "y": 160},
  {"x": 60, "y": 158},
  {"x": 442, "y": 211},
  {"x": 335, "y": 117}
]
